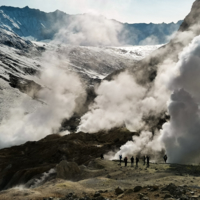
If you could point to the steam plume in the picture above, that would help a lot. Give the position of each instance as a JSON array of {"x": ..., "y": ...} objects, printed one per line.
[
  {"x": 181, "y": 134},
  {"x": 142, "y": 145},
  {"x": 124, "y": 102},
  {"x": 62, "y": 93},
  {"x": 90, "y": 30}
]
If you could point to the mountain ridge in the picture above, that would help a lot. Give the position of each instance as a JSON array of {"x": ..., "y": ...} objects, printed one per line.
[{"x": 27, "y": 22}]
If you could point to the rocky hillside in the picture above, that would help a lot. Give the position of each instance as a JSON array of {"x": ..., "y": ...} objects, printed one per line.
[
  {"x": 27, "y": 22},
  {"x": 108, "y": 180},
  {"x": 21, "y": 164}
]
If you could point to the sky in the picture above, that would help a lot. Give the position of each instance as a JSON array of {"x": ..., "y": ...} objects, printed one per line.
[{"x": 130, "y": 11}]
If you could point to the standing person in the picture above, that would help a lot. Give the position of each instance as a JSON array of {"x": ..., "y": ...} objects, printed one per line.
[
  {"x": 132, "y": 161},
  {"x": 125, "y": 161},
  {"x": 148, "y": 161},
  {"x": 137, "y": 160},
  {"x": 102, "y": 156},
  {"x": 165, "y": 158},
  {"x": 120, "y": 159},
  {"x": 144, "y": 159}
]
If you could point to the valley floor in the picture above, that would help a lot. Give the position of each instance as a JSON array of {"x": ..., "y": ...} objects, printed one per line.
[{"x": 100, "y": 179}]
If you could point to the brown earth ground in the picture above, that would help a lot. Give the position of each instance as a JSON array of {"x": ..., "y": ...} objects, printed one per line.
[{"x": 105, "y": 176}]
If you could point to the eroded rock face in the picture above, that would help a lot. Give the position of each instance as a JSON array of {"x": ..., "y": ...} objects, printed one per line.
[{"x": 67, "y": 170}]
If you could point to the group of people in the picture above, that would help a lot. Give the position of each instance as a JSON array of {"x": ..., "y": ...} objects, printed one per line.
[{"x": 145, "y": 159}]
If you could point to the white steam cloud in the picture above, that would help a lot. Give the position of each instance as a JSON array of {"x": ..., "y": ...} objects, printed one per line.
[
  {"x": 145, "y": 144},
  {"x": 62, "y": 94},
  {"x": 123, "y": 102},
  {"x": 151, "y": 40},
  {"x": 90, "y": 30},
  {"x": 181, "y": 134},
  {"x": 115, "y": 105}
]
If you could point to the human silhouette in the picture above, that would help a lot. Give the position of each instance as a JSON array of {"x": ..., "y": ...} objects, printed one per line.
[
  {"x": 125, "y": 161},
  {"x": 165, "y": 158},
  {"x": 120, "y": 159},
  {"x": 144, "y": 159},
  {"x": 132, "y": 161},
  {"x": 137, "y": 160},
  {"x": 148, "y": 161}
]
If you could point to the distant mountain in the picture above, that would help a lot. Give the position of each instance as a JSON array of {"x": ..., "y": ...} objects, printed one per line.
[
  {"x": 145, "y": 71},
  {"x": 143, "y": 34},
  {"x": 27, "y": 22},
  {"x": 31, "y": 22}
]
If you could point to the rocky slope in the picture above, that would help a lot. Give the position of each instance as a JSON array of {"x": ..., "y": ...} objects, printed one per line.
[
  {"x": 39, "y": 25},
  {"x": 25, "y": 163},
  {"x": 106, "y": 180}
]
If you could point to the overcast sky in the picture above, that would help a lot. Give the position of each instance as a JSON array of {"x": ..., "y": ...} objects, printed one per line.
[{"x": 131, "y": 11}]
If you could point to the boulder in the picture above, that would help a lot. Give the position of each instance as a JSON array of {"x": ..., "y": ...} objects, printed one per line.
[
  {"x": 137, "y": 188},
  {"x": 118, "y": 191},
  {"x": 154, "y": 188},
  {"x": 184, "y": 197},
  {"x": 167, "y": 196},
  {"x": 97, "y": 194},
  {"x": 174, "y": 190},
  {"x": 129, "y": 191},
  {"x": 67, "y": 170}
]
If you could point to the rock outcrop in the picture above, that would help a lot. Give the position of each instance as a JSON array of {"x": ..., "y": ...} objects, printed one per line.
[{"x": 67, "y": 170}]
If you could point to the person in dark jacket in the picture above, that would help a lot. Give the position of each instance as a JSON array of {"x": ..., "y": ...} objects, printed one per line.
[
  {"x": 148, "y": 161},
  {"x": 102, "y": 156},
  {"x": 165, "y": 158},
  {"x": 144, "y": 159},
  {"x": 125, "y": 161},
  {"x": 132, "y": 161},
  {"x": 120, "y": 159},
  {"x": 137, "y": 160}
]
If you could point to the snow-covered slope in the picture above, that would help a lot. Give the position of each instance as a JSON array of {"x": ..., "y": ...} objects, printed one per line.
[
  {"x": 21, "y": 63},
  {"x": 98, "y": 62},
  {"x": 11, "y": 39},
  {"x": 17, "y": 70},
  {"x": 136, "y": 52}
]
